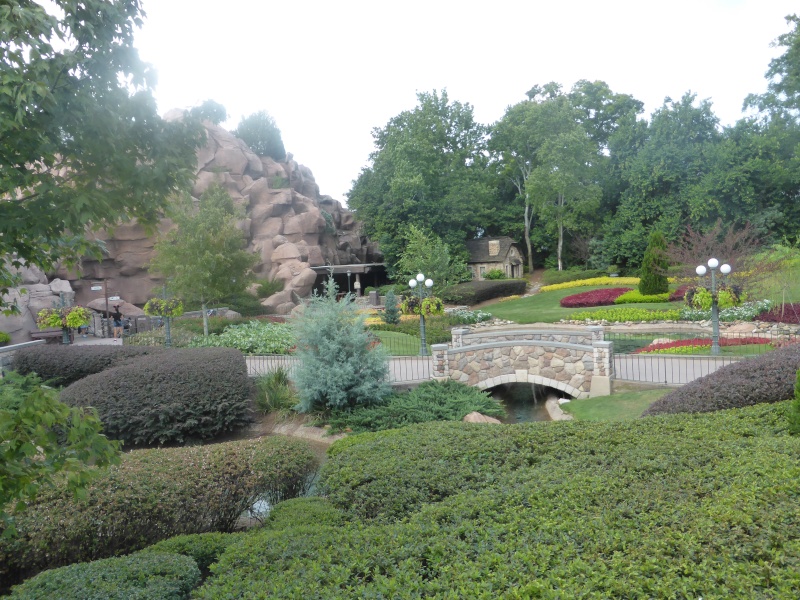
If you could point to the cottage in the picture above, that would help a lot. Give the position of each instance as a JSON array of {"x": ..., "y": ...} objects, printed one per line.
[{"x": 487, "y": 254}]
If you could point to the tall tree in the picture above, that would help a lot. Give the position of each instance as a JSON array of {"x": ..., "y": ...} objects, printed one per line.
[
  {"x": 81, "y": 143},
  {"x": 783, "y": 89},
  {"x": 204, "y": 258},
  {"x": 426, "y": 253},
  {"x": 428, "y": 169}
]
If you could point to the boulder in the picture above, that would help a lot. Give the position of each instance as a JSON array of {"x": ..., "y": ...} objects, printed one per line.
[{"x": 476, "y": 417}]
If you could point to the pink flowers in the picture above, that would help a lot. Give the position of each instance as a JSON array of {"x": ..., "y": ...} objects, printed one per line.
[{"x": 604, "y": 297}]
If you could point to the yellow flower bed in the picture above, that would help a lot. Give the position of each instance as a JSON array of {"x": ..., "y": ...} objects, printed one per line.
[
  {"x": 507, "y": 298},
  {"x": 593, "y": 281},
  {"x": 378, "y": 320}
]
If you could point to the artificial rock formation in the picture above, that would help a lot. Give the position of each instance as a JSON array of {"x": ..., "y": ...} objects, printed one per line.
[{"x": 288, "y": 224}]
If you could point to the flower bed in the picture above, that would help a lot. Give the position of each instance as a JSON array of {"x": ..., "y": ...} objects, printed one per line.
[
  {"x": 593, "y": 281},
  {"x": 788, "y": 313},
  {"x": 626, "y": 314},
  {"x": 602, "y": 297},
  {"x": 694, "y": 345},
  {"x": 679, "y": 293}
]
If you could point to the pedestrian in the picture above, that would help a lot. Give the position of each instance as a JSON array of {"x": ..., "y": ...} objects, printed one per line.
[{"x": 116, "y": 317}]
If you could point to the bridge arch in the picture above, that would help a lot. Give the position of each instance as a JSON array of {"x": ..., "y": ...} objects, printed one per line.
[{"x": 577, "y": 362}]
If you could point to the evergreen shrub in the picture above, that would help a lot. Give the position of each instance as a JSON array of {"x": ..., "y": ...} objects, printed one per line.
[
  {"x": 473, "y": 292},
  {"x": 764, "y": 379},
  {"x": 136, "y": 577},
  {"x": 653, "y": 274},
  {"x": 151, "y": 496},
  {"x": 203, "y": 548},
  {"x": 636, "y": 297},
  {"x": 171, "y": 396},
  {"x": 391, "y": 312},
  {"x": 553, "y": 276},
  {"x": 63, "y": 365},
  {"x": 312, "y": 512}
]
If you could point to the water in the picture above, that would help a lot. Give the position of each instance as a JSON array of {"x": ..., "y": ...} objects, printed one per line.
[{"x": 523, "y": 402}]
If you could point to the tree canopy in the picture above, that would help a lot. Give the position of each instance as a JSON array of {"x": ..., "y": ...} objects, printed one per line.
[
  {"x": 261, "y": 133},
  {"x": 81, "y": 143}
]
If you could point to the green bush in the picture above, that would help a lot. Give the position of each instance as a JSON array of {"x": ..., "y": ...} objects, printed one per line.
[
  {"x": 473, "y": 292},
  {"x": 275, "y": 392},
  {"x": 629, "y": 313},
  {"x": 636, "y": 297},
  {"x": 171, "y": 396},
  {"x": 684, "y": 506},
  {"x": 179, "y": 338},
  {"x": 553, "y": 276},
  {"x": 63, "y": 365},
  {"x": 769, "y": 377},
  {"x": 5, "y": 338},
  {"x": 269, "y": 287},
  {"x": 653, "y": 274},
  {"x": 203, "y": 548},
  {"x": 429, "y": 401},
  {"x": 135, "y": 577},
  {"x": 254, "y": 337},
  {"x": 391, "y": 312},
  {"x": 794, "y": 411},
  {"x": 494, "y": 274},
  {"x": 311, "y": 512},
  {"x": 154, "y": 495}
]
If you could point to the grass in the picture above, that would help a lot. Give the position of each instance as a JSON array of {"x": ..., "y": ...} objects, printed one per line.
[
  {"x": 399, "y": 344},
  {"x": 544, "y": 307},
  {"x": 623, "y": 405}
]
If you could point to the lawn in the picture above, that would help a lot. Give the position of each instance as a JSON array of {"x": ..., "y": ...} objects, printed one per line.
[
  {"x": 628, "y": 403},
  {"x": 399, "y": 344},
  {"x": 544, "y": 307}
]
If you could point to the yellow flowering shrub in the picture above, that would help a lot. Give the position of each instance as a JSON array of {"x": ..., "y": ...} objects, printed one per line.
[
  {"x": 593, "y": 281},
  {"x": 378, "y": 320}
]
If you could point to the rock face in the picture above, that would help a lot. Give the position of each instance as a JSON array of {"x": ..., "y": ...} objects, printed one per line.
[{"x": 288, "y": 224}]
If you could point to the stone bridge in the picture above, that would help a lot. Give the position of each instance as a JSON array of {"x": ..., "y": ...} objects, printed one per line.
[{"x": 577, "y": 362}]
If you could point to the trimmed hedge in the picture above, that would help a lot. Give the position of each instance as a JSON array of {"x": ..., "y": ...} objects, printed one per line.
[
  {"x": 312, "y": 512},
  {"x": 553, "y": 276},
  {"x": 601, "y": 297},
  {"x": 154, "y": 495},
  {"x": 636, "y": 297},
  {"x": 63, "y": 365},
  {"x": 203, "y": 548},
  {"x": 473, "y": 292},
  {"x": 764, "y": 379},
  {"x": 136, "y": 577},
  {"x": 684, "y": 506},
  {"x": 169, "y": 396}
]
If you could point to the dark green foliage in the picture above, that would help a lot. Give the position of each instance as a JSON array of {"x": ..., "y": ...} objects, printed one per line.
[
  {"x": 269, "y": 287},
  {"x": 203, "y": 548},
  {"x": 494, "y": 274},
  {"x": 311, "y": 512},
  {"x": 391, "y": 312},
  {"x": 794, "y": 410},
  {"x": 171, "y": 396},
  {"x": 766, "y": 378},
  {"x": 136, "y": 577},
  {"x": 275, "y": 392},
  {"x": 5, "y": 338},
  {"x": 430, "y": 401},
  {"x": 261, "y": 133},
  {"x": 473, "y": 292},
  {"x": 653, "y": 277},
  {"x": 154, "y": 495},
  {"x": 685, "y": 506},
  {"x": 59, "y": 365}
]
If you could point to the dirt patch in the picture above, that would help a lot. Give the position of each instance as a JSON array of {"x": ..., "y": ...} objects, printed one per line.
[{"x": 296, "y": 426}]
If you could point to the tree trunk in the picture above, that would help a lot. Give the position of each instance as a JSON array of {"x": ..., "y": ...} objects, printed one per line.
[
  {"x": 528, "y": 219},
  {"x": 205, "y": 319},
  {"x": 560, "y": 230}
]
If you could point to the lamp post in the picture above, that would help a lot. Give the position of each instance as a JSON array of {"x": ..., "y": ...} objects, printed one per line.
[
  {"x": 412, "y": 283},
  {"x": 348, "y": 281},
  {"x": 713, "y": 264}
]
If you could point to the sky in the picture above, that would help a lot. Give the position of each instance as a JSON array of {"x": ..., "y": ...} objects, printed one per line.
[{"x": 329, "y": 72}]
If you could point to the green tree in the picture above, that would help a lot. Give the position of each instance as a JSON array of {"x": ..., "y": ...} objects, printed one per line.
[
  {"x": 204, "y": 259},
  {"x": 783, "y": 90},
  {"x": 339, "y": 365},
  {"x": 391, "y": 312},
  {"x": 653, "y": 278},
  {"x": 426, "y": 253},
  {"x": 81, "y": 143},
  {"x": 210, "y": 111},
  {"x": 429, "y": 168},
  {"x": 41, "y": 439},
  {"x": 261, "y": 133}
]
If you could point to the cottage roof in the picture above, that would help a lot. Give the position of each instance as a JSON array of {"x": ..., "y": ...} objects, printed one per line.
[{"x": 489, "y": 249}]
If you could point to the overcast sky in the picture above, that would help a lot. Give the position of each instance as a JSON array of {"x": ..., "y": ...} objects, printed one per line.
[{"x": 328, "y": 72}]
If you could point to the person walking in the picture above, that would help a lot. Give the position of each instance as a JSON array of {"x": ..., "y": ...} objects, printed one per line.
[{"x": 116, "y": 317}]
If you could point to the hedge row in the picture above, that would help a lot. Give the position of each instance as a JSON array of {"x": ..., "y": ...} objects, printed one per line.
[
  {"x": 473, "y": 292},
  {"x": 553, "y": 276},
  {"x": 766, "y": 378},
  {"x": 642, "y": 509},
  {"x": 63, "y": 365},
  {"x": 171, "y": 396},
  {"x": 601, "y": 297},
  {"x": 154, "y": 495},
  {"x": 135, "y": 577}
]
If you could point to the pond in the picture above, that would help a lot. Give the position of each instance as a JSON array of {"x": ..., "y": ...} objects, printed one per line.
[{"x": 523, "y": 402}]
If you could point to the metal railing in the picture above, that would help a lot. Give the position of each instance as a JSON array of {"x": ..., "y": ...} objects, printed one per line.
[{"x": 402, "y": 369}]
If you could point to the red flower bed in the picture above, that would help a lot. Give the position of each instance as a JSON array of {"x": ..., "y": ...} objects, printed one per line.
[
  {"x": 604, "y": 297},
  {"x": 723, "y": 341},
  {"x": 791, "y": 314},
  {"x": 679, "y": 293}
]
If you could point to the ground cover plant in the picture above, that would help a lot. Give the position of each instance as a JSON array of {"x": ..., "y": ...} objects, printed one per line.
[
  {"x": 153, "y": 495},
  {"x": 169, "y": 397},
  {"x": 599, "y": 297},
  {"x": 764, "y": 379},
  {"x": 699, "y": 345},
  {"x": 253, "y": 337},
  {"x": 781, "y": 313},
  {"x": 437, "y": 328},
  {"x": 636, "y": 297},
  {"x": 594, "y": 281},
  {"x": 619, "y": 406},
  {"x": 473, "y": 292},
  {"x": 628, "y": 313},
  {"x": 633, "y": 509}
]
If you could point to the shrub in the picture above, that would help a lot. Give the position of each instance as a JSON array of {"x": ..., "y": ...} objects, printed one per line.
[
  {"x": 171, "y": 396},
  {"x": 636, "y": 297},
  {"x": 254, "y": 337},
  {"x": 603, "y": 297},
  {"x": 653, "y": 278},
  {"x": 312, "y": 512},
  {"x": 430, "y": 401},
  {"x": 203, "y": 548},
  {"x": 60, "y": 365},
  {"x": 271, "y": 286},
  {"x": 431, "y": 306},
  {"x": 782, "y": 313},
  {"x": 179, "y": 338},
  {"x": 766, "y": 378},
  {"x": 473, "y": 292},
  {"x": 794, "y": 410},
  {"x": 494, "y": 274},
  {"x": 679, "y": 293},
  {"x": 275, "y": 392},
  {"x": 593, "y": 281},
  {"x": 391, "y": 313},
  {"x": 154, "y": 495},
  {"x": 553, "y": 276},
  {"x": 138, "y": 576},
  {"x": 624, "y": 315},
  {"x": 461, "y": 316},
  {"x": 5, "y": 338}
]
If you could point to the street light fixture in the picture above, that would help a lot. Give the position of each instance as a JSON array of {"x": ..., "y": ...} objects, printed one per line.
[
  {"x": 412, "y": 283},
  {"x": 348, "y": 281},
  {"x": 713, "y": 264}
]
